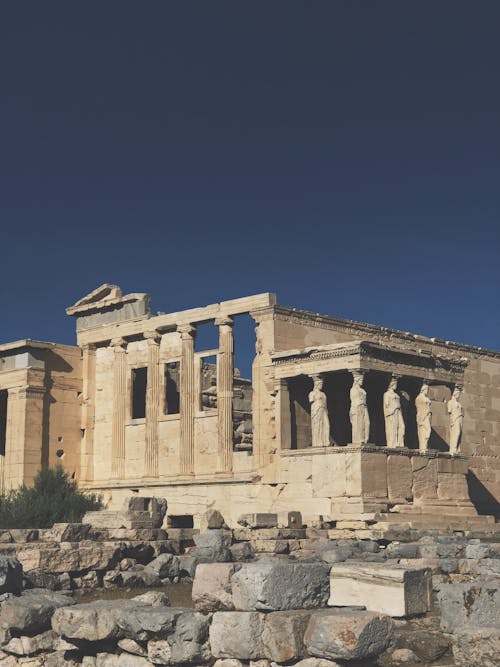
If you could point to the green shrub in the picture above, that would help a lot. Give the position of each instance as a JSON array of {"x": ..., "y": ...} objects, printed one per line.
[{"x": 53, "y": 498}]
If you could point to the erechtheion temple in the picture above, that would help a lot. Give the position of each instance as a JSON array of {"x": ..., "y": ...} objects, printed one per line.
[{"x": 339, "y": 419}]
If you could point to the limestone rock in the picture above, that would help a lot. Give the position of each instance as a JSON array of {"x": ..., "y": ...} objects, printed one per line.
[
  {"x": 273, "y": 586},
  {"x": 212, "y": 546},
  {"x": 283, "y": 635},
  {"x": 189, "y": 641},
  {"x": 187, "y": 565},
  {"x": 165, "y": 565},
  {"x": 214, "y": 520},
  {"x": 11, "y": 575},
  {"x": 129, "y": 660},
  {"x": 159, "y": 652},
  {"x": 477, "y": 647},
  {"x": 25, "y": 645},
  {"x": 153, "y": 598},
  {"x": 475, "y": 603},
  {"x": 228, "y": 662},
  {"x": 131, "y": 646},
  {"x": 316, "y": 662},
  {"x": 143, "y": 623},
  {"x": 390, "y": 590},
  {"x": 212, "y": 586},
  {"x": 31, "y": 612},
  {"x": 259, "y": 520},
  {"x": 241, "y": 551},
  {"x": 237, "y": 634},
  {"x": 67, "y": 532},
  {"x": 348, "y": 635},
  {"x": 95, "y": 621}
]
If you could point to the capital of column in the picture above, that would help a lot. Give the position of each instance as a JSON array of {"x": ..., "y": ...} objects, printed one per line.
[
  {"x": 88, "y": 347},
  {"x": 224, "y": 321},
  {"x": 119, "y": 344},
  {"x": 152, "y": 337},
  {"x": 186, "y": 331}
]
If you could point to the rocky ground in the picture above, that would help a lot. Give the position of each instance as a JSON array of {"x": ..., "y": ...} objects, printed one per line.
[{"x": 262, "y": 595}]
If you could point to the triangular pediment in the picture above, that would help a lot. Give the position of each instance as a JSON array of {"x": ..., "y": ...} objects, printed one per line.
[{"x": 103, "y": 293}]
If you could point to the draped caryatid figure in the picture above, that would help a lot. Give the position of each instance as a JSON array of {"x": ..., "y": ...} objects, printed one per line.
[
  {"x": 394, "y": 422},
  {"x": 424, "y": 416},
  {"x": 320, "y": 423},
  {"x": 456, "y": 412},
  {"x": 358, "y": 413}
]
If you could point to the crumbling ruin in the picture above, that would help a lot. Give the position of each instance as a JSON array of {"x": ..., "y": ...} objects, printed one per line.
[{"x": 347, "y": 422}]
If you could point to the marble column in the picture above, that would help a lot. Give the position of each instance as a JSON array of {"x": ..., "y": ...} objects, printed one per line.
[
  {"x": 187, "y": 399},
  {"x": 119, "y": 346},
  {"x": 87, "y": 423},
  {"x": 152, "y": 404},
  {"x": 225, "y": 372}
]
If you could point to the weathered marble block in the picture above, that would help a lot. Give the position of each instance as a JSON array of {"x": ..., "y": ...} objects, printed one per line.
[{"x": 395, "y": 591}]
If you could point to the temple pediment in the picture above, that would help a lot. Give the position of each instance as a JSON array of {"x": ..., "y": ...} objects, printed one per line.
[{"x": 107, "y": 304}]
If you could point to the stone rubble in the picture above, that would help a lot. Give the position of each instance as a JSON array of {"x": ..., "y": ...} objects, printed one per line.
[{"x": 323, "y": 603}]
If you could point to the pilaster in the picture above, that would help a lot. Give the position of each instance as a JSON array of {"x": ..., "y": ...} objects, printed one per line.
[
  {"x": 187, "y": 399},
  {"x": 225, "y": 372},
  {"x": 88, "y": 412},
  {"x": 119, "y": 408}
]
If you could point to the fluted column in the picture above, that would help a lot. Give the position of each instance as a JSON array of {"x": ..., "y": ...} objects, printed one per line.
[
  {"x": 225, "y": 372},
  {"x": 152, "y": 404},
  {"x": 119, "y": 408},
  {"x": 187, "y": 399},
  {"x": 87, "y": 422}
]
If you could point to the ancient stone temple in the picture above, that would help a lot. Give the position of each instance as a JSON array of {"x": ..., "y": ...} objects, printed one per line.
[{"x": 339, "y": 419}]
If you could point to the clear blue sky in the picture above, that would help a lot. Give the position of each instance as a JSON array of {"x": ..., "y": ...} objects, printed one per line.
[{"x": 344, "y": 154}]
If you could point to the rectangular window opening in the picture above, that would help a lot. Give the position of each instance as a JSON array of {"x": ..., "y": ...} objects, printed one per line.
[
  {"x": 4, "y": 395},
  {"x": 172, "y": 388},
  {"x": 208, "y": 382},
  {"x": 139, "y": 385}
]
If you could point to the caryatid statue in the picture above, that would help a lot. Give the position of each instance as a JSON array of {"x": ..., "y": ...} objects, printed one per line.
[
  {"x": 358, "y": 413},
  {"x": 394, "y": 422},
  {"x": 424, "y": 417},
  {"x": 456, "y": 412},
  {"x": 320, "y": 423}
]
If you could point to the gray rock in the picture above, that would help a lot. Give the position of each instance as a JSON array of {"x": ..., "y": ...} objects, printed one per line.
[
  {"x": 95, "y": 621},
  {"x": 24, "y": 534},
  {"x": 316, "y": 662},
  {"x": 153, "y": 598},
  {"x": 189, "y": 643},
  {"x": 475, "y": 603},
  {"x": 214, "y": 520},
  {"x": 31, "y": 612},
  {"x": 348, "y": 635},
  {"x": 106, "y": 660},
  {"x": 43, "y": 579},
  {"x": 241, "y": 551},
  {"x": 187, "y": 565},
  {"x": 67, "y": 532},
  {"x": 259, "y": 520},
  {"x": 402, "y": 655},
  {"x": 112, "y": 579},
  {"x": 477, "y": 647},
  {"x": 448, "y": 565},
  {"x": 165, "y": 565},
  {"x": 25, "y": 645},
  {"x": 369, "y": 546},
  {"x": 11, "y": 575},
  {"x": 140, "y": 578},
  {"x": 212, "y": 586},
  {"x": 274, "y": 586},
  {"x": 159, "y": 652},
  {"x": 397, "y": 550},
  {"x": 130, "y": 646},
  {"x": 143, "y": 623},
  {"x": 228, "y": 662},
  {"x": 283, "y": 635},
  {"x": 129, "y": 660},
  {"x": 212, "y": 546},
  {"x": 237, "y": 634},
  {"x": 482, "y": 550},
  {"x": 428, "y": 645}
]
